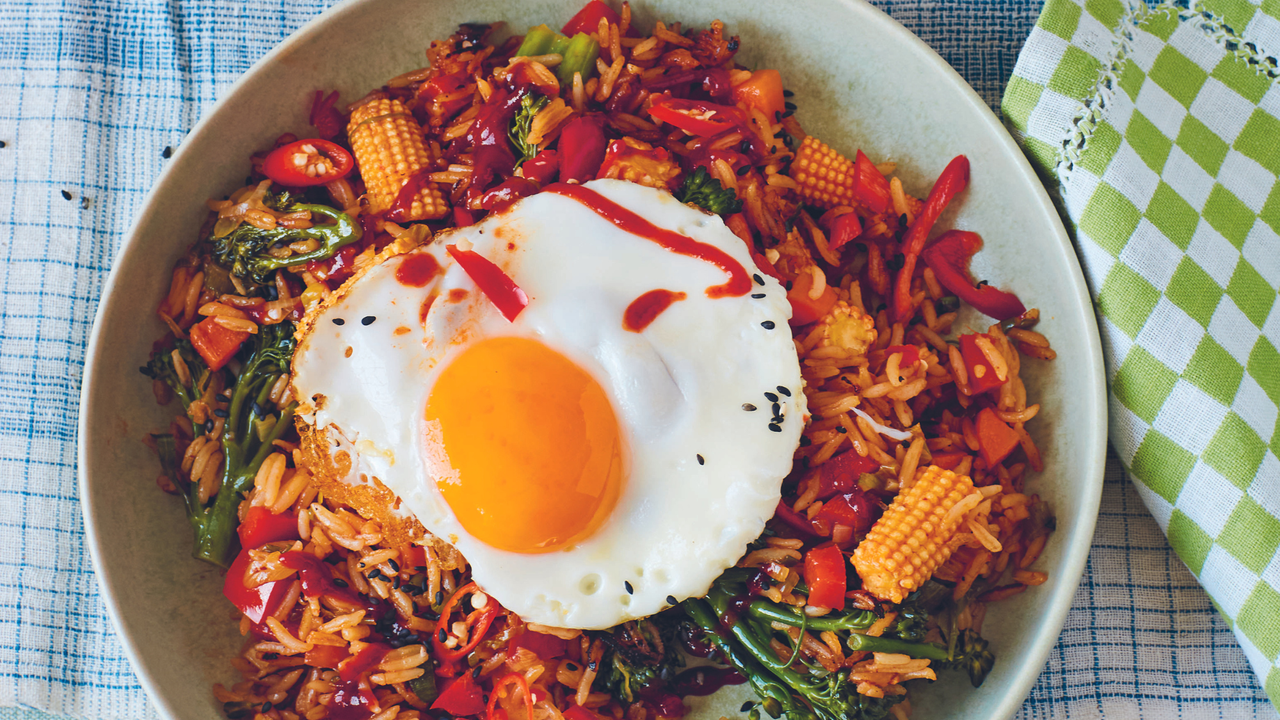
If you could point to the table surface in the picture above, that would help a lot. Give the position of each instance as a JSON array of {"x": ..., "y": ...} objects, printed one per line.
[{"x": 1142, "y": 639}]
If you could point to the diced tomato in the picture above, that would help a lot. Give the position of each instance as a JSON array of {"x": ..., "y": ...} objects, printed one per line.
[
  {"x": 695, "y": 116},
  {"x": 325, "y": 656},
  {"x": 855, "y": 509},
  {"x": 871, "y": 187},
  {"x": 910, "y": 354},
  {"x": 543, "y": 645},
  {"x": 216, "y": 343},
  {"x": 292, "y": 164},
  {"x": 843, "y": 230},
  {"x": 954, "y": 179},
  {"x": 950, "y": 460},
  {"x": 260, "y": 527},
  {"x": 762, "y": 91},
  {"x": 840, "y": 474},
  {"x": 460, "y": 697},
  {"x": 995, "y": 438},
  {"x": 587, "y": 20},
  {"x": 982, "y": 377},
  {"x": 582, "y": 146},
  {"x": 256, "y": 602},
  {"x": 948, "y": 256},
  {"x": 542, "y": 168},
  {"x": 495, "y": 284},
  {"x": 805, "y": 309},
  {"x": 824, "y": 573}
]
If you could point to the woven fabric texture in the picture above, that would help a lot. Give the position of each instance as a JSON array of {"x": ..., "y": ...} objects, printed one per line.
[
  {"x": 91, "y": 94},
  {"x": 1161, "y": 126}
]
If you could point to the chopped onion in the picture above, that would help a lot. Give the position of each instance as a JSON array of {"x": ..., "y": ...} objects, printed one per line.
[{"x": 888, "y": 432}]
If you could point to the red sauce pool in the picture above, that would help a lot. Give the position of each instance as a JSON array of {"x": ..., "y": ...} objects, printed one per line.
[
  {"x": 646, "y": 308},
  {"x": 417, "y": 270},
  {"x": 705, "y": 680},
  {"x": 739, "y": 282}
]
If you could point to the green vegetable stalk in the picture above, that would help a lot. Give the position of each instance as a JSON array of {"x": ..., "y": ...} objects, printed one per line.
[
  {"x": 244, "y": 249},
  {"x": 579, "y": 53},
  {"x": 529, "y": 106}
]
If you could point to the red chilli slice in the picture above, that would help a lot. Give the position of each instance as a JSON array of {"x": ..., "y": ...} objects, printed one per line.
[{"x": 500, "y": 289}]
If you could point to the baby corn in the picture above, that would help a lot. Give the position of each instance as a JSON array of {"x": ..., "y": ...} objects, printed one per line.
[{"x": 387, "y": 142}]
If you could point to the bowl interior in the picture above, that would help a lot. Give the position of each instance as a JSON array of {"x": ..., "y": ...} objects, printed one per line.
[{"x": 860, "y": 80}]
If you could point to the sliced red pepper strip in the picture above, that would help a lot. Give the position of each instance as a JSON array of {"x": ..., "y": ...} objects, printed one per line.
[
  {"x": 696, "y": 117},
  {"x": 824, "y": 573},
  {"x": 518, "y": 680},
  {"x": 256, "y": 602},
  {"x": 794, "y": 519},
  {"x": 954, "y": 179},
  {"x": 478, "y": 622},
  {"x": 216, "y": 343},
  {"x": 582, "y": 148},
  {"x": 948, "y": 256},
  {"x": 982, "y": 377},
  {"x": 282, "y": 166},
  {"x": 870, "y": 185},
  {"x": 843, "y": 230},
  {"x": 260, "y": 527},
  {"x": 495, "y": 284}
]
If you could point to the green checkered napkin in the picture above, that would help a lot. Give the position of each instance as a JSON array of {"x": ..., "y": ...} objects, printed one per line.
[{"x": 1159, "y": 127}]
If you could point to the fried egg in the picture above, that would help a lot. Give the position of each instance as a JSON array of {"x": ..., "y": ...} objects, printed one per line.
[{"x": 609, "y": 451}]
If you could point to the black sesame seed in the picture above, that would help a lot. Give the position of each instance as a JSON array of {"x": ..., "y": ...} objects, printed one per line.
[
  {"x": 266, "y": 706},
  {"x": 732, "y": 45},
  {"x": 439, "y": 598},
  {"x": 375, "y": 574},
  {"x": 429, "y": 615},
  {"x": 805, "y": 441},
  {"x": 571, "y": 667},
  {"x": 208, "y": 426},
  {"x": 759, "y": 280},
  {"x": 777, "y": 419},
  {"x": 748, "y": 407},
  {"x": 395, "y": 566},
  {"x": 258, "y": 409},
  {"x": 167, "y": 152},
  {"x": 395, "y": 584},
  {"x": 442, "y": 635},
  {"x": 777, "y": 409},
  {"x": 768, "y": 325},
  {"x": 270, "y": 292},
  {"x": 367, "y": 320},
  {"x": 842, "y": 430},
  {"x": 787, "y": 284},
  {"x": 982, "y": 284},
  {"x": 221, "y": 412},
  {"x": 775, "y": 427},
  {"x": 339, "y": 321},
  {"x": 816, "y": 417},
  {"x": 789, "y": 105},
  {"x": 787, "y": 93},
  {"x": 783, "y": 391},
  {"x": 771, "y": 397},
  {"x": 742, "y": 170},
  {"x": 671, "y": 599},
  {"x": 340, "y": 582},
  {"x": 702, "y": 460},
  {"x": 627, "y": 584},
  {"x": 777, "y": 116},
  {"x": 66, "y": 195},
  {"x": 757, "y": 296},
  {"x": 475, "y": 674},
  {"x": 84, "y": 203},
  {"x": 3, "y": 144},
  {"x": 746, "y": 706},
  {"x": 270, "y": 656},
  {"x": 788, "y": 113}
]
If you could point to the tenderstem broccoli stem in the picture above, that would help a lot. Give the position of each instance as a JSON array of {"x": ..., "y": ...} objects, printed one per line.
[{"x": 773, "y": 612}]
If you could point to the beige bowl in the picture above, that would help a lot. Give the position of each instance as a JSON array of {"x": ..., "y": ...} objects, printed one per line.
[{"x": 860, "y": 79}]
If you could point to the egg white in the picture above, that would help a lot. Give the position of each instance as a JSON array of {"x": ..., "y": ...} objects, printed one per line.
[{"x": 679, "y": 390}]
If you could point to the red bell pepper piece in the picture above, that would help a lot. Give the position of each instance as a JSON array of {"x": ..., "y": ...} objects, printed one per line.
[
  {"x": 517, "y": 680},
  {"x": 695, "y": 117},
  {"x": 982, "y": 377},
  {"x": 949, "y": 257},
  {"x": 805, "y": 309},
  {"x": 461, "y": 697},
  {"x": 260, "y": 527},
  {"x": 870, "y": 186},
  {"x": 478, "y": 622},
  {"x": 325, "y": 656},
  {"x": 910, "y": 354},
  {"x": 587, "y": 20},
  {"x": 543, "y": 645},
  {"x": 737, "y": 222},
  {"x": 289, "y": 164},
  {"x": 995, "y": 438},
  {"x": 853, "y": 509},
  {"x": 766, "y": 267},
  {"x": 215, "y": 343},
  {"x": 582, "y": 145},
  {"x": 255, "y": 602},
  {"x": 762, "y": 91},
  {"x": 495, "y": 284},
  {"x": 824, "y": 573},
  {"x": 954, "y": 179},
  {"x": 843, "y": 230},
  {"x": 462, "y": 217},
  {"x": 840, "y": 474}
]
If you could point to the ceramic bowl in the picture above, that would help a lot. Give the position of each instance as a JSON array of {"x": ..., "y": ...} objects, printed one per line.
[{"x": 860, "y": 80}]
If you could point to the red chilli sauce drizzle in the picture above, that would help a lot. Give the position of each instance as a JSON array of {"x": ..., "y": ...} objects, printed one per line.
[
  {"x": 647, "y": 307},
  {"x": 417, "y": 270}
]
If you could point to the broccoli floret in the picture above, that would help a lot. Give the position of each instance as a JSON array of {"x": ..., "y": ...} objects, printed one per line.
[
  {"x": 518, "y": 133},
  {"x": 706, "y": 192},
  {"x": 247, "y": 436},
  {"x": 643, "y": 657},
  {"x": 244, "y": 249}
]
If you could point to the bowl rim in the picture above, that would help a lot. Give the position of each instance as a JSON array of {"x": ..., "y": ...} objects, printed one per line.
[{"x": 1089, "y": 486}]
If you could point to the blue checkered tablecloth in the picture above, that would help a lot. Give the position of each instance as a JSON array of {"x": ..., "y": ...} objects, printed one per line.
[{"x": 91, "y": 93}]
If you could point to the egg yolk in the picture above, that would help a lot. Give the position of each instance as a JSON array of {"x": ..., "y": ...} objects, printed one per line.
[{"x": 524, "y": 445}]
